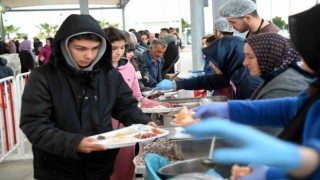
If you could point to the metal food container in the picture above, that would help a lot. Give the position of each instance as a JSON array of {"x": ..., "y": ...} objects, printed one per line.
[
  {"x": 185, "y": 147},
  {"x": 192, "y": 148},
  {"x": 190, "y": 103},
  {"x": 197, "y": 100}
]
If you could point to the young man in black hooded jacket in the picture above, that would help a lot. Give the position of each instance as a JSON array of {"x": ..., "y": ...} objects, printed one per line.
[{"x": 75, "y": 97}]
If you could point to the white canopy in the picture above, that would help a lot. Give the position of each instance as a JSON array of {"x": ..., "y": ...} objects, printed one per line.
[
  {"x": 16, "y": 5},
  {"x": 11, "y": 4}
]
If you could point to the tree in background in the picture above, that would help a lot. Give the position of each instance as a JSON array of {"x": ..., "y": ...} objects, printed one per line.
[
  {"x": 21, "y": 35},
  {"x": 184, "y": 24},
  {"x": 186, "y": 31},
  {"x": 105, "y": 24},
  {"x": 280, "y": 23},
  {"x": 47, "y": 30},
  {"x": 11, "y": 29}
]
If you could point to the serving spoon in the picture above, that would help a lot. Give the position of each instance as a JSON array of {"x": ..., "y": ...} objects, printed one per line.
[{"x": 208, "y": 162}]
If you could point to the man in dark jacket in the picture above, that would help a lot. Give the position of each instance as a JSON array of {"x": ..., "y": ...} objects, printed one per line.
[
  {"x": 154, "y": 60},
  {"x": 73, "y": 98},
  {"x": 37, "y": 44},
  {"x": 5, "y": 71}
]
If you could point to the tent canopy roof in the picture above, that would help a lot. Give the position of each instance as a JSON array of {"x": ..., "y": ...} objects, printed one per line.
[{"x": 11, "y": 4}]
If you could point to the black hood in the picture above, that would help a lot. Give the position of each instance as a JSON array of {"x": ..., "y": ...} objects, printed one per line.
[
  {"x": 76, "y": 24},
  {"x": 305, "y": 34}
]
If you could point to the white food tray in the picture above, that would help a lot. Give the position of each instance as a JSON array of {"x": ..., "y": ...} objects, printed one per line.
[{"x": 126, "y": 136}]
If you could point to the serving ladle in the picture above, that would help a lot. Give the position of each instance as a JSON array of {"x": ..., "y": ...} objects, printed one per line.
[{"x": 208, "y": 162}]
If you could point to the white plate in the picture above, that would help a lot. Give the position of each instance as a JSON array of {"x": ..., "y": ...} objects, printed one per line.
[
  {"x": 146, "y": 93},
  {"x": 160, "y": 110},
  {"x": 130, "y": 139}
]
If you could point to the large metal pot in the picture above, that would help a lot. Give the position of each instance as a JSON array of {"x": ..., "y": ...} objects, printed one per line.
[{"x": 190, "y": 148}]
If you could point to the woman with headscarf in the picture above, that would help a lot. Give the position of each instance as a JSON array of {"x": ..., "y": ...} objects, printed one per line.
[
  {"x": 227, "y": 55},
  {"x": 299, "y": 115},
  {"x": 272, "y": 57},
  {"x": 46, "y": 51}
]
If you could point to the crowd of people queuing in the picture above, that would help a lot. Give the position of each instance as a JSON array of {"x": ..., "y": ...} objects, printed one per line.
[
  {"x": 102, "y": 72},
  {"x": 31, "y": 54}
]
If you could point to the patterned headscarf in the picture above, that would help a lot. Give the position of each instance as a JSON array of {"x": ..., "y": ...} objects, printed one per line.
[{"x": 274, "y": 53}]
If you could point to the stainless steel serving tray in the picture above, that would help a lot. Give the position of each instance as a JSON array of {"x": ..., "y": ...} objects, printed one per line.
[{"x": 184, "y": 100}]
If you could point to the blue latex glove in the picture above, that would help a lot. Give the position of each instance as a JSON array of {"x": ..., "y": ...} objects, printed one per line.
[
  {"x": 258, "y": 172},
  {"x": 216, "y": 109},
  {"x": 214, "y": 173},
  {"x": 253, "y": 146},
  {"x": 165, "y": 85}
]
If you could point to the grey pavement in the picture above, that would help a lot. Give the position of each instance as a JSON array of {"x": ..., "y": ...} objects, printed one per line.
[{"x": 16, "y": 170}]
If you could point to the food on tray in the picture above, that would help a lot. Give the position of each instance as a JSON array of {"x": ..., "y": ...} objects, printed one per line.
[
  {"x": 159, "y": 106},
  {"x": 123, "y": 139},
  {"x": 129, "y": 136},
  {"x": 239, "y": 171},
  {"x": 118, "y": 135},
  {"x": 101, "y": 137},
  {"x": 185, "y": 117},
  {"x": 151, "y": 129},
  {"x": 125, "y": 133},
  {"x": 145, "y": 135},
  {"x": 162, "y": 106},
  {"x": 157, "y": 131}
]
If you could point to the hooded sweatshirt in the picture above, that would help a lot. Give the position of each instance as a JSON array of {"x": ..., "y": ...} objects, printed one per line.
[{"x": 62, "y": 104}]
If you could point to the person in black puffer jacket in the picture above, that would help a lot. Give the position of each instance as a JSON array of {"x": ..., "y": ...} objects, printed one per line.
[{"x": 72, "y": 98}]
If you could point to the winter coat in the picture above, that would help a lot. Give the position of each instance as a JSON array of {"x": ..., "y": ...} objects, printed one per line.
[
  {"x": 62, "y": 105},
  {"x": 5, "y": 71},
  {"x": 26, "y": 61},
  {"x": 129, "y": 75},
  {"x": 150, "y": 65},
  {"x": 45, "y": 52}
]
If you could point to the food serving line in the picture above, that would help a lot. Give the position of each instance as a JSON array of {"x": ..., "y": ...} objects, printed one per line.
[
  {"x": 168, "y": 140},
  {"x": 176, "y": 146}
]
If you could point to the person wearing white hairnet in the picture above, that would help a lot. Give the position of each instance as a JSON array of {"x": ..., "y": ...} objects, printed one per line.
[
  {"x": 221, "y": 28},
  {"x": 296, "y": 156},
  {"x": 243, "y": 16}
]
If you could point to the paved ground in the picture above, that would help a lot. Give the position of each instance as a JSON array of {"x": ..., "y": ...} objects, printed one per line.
[
  {"x": 16, "y": 170},
  {"x": 23, "y": 169}
]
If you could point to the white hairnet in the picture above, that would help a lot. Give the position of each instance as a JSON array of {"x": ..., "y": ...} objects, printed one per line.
[
  {"x": 222, "y": 25},
  {"x": 237, "y": 8}
]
